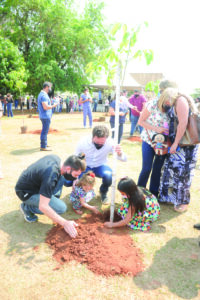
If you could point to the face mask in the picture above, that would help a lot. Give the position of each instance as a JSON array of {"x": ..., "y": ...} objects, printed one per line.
[
  {"x": 69, "y": 177},
  {"x": 98, "y": 146},
  {"x": 166, "y": 108}
]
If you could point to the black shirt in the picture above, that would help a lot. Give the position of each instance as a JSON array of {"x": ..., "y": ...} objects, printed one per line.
[{"x": 39, "y": 178}]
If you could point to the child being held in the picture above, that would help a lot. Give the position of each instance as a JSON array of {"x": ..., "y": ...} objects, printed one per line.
[
  {"x": 83, "y": 192},
  {"x": 140, "y": 207}
]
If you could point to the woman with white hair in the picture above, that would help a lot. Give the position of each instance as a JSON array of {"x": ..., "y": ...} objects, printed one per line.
[{"x": 179, "y": 166}]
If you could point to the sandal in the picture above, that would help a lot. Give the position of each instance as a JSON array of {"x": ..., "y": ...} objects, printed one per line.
[
  {"x": 77, "y": 211},
  {"x": 181, "y": 208}
]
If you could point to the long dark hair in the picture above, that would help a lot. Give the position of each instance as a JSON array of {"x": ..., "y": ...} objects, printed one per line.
[{"x": 135, "y": 196}]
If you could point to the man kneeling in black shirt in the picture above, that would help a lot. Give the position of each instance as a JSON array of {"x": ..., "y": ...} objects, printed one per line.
[{"x": 40, "y": 186}]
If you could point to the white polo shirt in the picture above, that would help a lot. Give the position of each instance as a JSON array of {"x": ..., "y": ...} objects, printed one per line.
[{"x": 96, "y": 158}]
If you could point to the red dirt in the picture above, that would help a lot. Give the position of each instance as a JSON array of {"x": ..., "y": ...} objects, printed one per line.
[
  {"x": 135, "y": 139},
  {"x": 39, "y": 131},
  {"x": 101, "y": 119},
  {"x": 105, "y": 251}
]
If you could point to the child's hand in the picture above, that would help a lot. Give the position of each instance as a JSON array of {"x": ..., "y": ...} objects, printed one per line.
[
  {"x": 95, "y": 210},
  {"x": 108, "y": 224}
]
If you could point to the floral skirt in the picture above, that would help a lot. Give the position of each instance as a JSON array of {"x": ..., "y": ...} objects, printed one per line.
[
  {"x": 177, "y": 174},
  {"x": 141, "y": 220}
]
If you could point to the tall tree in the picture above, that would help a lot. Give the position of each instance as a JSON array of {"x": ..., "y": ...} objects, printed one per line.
[
  {"x": 56, "y": 42},
  {"x": 13, "y": 74}
]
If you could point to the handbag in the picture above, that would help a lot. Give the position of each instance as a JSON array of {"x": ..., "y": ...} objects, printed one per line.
[{"x": 192, "y": 133}]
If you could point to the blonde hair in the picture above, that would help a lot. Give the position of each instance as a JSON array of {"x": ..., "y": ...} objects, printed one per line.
[
  {"x": 87, "y": 179},
  {"x": 171, "y": 95}
]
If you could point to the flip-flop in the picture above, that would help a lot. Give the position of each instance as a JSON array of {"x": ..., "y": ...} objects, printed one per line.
[
  {"x": 197, "y": 226},
  {"x": 181, "y": 208}
]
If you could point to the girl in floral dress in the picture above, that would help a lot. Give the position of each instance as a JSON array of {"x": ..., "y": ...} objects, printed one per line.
[
  {"x": 83, "y": 192},
  {"x": 139, "y": 208}
]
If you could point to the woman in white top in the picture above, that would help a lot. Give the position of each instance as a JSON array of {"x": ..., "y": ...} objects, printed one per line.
[{"x": 152, "y": 119}]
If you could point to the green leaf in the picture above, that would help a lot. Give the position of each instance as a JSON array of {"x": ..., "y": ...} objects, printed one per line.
[{"x": 116, "y": 28}]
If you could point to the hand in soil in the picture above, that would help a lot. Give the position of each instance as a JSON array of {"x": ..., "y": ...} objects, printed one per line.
[
  {"x": 108, "y": 224},
  {"x": 69, "y": 227},
  {"x": 95, "y": 210}
]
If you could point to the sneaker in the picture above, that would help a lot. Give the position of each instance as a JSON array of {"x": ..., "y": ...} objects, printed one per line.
[
  {"x": 197, "y": 226},
  {"x": 28, "y": 216},
  {"x": 45, "y": 149},
  {"x": 104, "y": 198}
]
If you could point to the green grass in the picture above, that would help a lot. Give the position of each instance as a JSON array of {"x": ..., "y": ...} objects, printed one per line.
[{"x": 170, "y": 250}]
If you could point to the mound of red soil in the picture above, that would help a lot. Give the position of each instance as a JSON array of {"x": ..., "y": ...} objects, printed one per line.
[
  {"x": 135, "y": 139},
  {"x": 101, "y": 119},
  {"x": 105, "y": 251},
  {"x": 39, "y": 131}
]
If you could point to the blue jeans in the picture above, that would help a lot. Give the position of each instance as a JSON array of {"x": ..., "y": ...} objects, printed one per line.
[
  {"x": 60, "y": 109},
  {"x": 104, "y": 172},
  {"x": 4, "y": 108},
  {"x": 120, "y": 133},
  {"x": 44, "y": 132},
  {"x": 9, "y": 109},
  {"x": 32, "y": 204},
  {"x": 87, "y": 112},
  {"x": 151, "y": 163},
  {"x": 95, "y": 107},
  {"x": 16, "y": 104},
  {"x": 134, "y": 121}
]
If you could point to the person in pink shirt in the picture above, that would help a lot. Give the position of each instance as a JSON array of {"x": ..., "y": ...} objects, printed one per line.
[{"x": 138, "y": 101}]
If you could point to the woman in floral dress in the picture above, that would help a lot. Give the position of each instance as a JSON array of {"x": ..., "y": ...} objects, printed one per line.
[{"x": 152, "y": 119}]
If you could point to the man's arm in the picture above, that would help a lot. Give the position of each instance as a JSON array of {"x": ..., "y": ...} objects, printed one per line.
[
  {"x": 117, "y": 148},
  {"x": 47, "y": 107},
  {"x": 83, "y": 101},
  {"x": 120, "y": 154},
  {"x": 69, "y": 226}
]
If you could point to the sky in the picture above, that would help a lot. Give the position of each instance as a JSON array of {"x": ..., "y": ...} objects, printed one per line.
[{"x": 173, "y": 35}]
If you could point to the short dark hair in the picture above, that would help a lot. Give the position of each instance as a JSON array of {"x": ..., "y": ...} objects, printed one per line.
[
  {"x": 46, "y": 83},
  {"x": 100, "y": 131},
  {"x": 76, "y": 162}
]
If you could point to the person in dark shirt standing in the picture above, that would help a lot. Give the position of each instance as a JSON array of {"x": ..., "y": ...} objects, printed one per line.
[
  {"x": 39, "y": 188},
  {"x": 45, "y": 113}
]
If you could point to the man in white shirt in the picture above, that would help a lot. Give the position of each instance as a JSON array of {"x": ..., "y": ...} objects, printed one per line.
[{"x": 96, "y": 149}]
